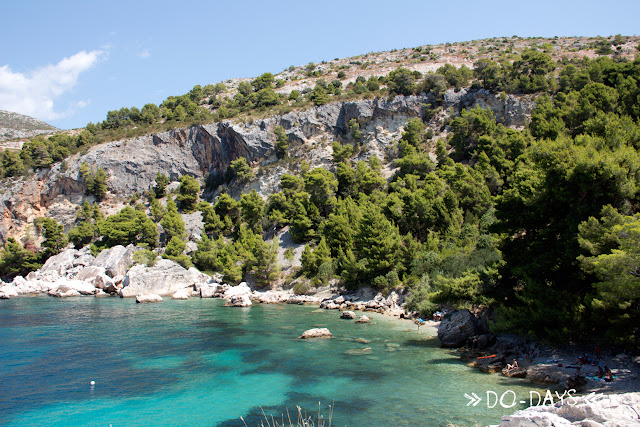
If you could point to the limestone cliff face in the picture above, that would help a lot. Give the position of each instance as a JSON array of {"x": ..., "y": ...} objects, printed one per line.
[{"x": 132, "y": 164}]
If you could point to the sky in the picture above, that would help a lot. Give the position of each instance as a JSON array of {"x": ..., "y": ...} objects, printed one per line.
[{"x": 69, "y": 62}]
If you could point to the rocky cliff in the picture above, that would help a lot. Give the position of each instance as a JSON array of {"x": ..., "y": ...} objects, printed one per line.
[{"x": 203, "y": 150}]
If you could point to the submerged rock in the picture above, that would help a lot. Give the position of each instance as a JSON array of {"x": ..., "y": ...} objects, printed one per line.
[
  {"x": 358, "y": 351},
  {"x": 316, "y": 333}
]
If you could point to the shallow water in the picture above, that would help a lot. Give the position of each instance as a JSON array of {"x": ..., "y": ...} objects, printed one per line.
[{"x": 197, "y": 362}]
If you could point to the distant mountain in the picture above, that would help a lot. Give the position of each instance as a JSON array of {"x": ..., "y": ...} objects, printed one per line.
[{"x": 15, "y": 125}]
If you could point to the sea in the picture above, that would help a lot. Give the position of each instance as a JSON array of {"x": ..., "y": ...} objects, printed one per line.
[{"x": 111, "y": 362}]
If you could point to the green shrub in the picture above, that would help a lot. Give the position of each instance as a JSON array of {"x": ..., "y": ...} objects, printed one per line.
[
  {"x": 146, "y": 257},
  {"x": 301, "y": 287}
]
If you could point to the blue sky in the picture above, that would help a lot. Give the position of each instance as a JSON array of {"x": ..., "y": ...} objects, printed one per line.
[{"x": 69, "y": 62}]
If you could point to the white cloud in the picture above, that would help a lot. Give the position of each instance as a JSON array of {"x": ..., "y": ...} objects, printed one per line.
[
  {"x": 144, "y": 54},
  {"x": 34, "y": 93}
]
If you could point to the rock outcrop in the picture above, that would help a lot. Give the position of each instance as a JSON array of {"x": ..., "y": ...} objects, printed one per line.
[
  {"x": 592, "y": 410},
  {"x": 164, "y": 278},
  {"x": 458, "y": 327},
  {"x": 202, "y": 150},
  {"x": 116, "y": 260}
]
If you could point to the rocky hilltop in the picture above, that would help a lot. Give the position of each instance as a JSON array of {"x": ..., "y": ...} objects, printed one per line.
[
  {"x": 15, "y": 126},
  {"x": 204, "y": 150}
]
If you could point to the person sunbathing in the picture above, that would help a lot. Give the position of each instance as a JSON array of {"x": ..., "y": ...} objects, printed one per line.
[
  {"x": 608, "y": 375},
  {"x": 512, "y": 366}
]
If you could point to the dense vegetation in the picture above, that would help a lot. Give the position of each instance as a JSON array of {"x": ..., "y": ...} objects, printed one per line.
[{"x": 541, "y": 226}]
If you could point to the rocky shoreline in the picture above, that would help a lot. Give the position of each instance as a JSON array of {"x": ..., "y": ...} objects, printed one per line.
[{"x": 113, "y": 272}]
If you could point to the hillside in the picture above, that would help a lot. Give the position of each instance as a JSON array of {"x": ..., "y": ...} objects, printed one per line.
[
  {"x": 501, "y": 175},
  {"x": 18, "y": 126}
]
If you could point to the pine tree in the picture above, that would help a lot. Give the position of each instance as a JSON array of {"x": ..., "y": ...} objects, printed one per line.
[
  {"x": 252, "y": 210},
  {"x": 377, "y": 243},
  {"x": 172, "y": 221},
  {"x": 54, "y": 238},
  {"x": 265, "y": 268},
  {"x": 188, "y": 194},
  {"x": 161, "y": 185},
  {"x": 282, "y": 142},
  {"x": 100, "y": 184}
]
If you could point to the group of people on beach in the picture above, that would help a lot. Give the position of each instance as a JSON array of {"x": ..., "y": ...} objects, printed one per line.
[{"x": 583, "y": 360}]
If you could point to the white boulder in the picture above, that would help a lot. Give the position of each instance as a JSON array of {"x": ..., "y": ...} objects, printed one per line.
[
  {"x": 211, "y": 290},
  {"x": 116, "y": 260},
  {"x": 181, "y": 294},
  {"x": 239, "y": 301},
  {"x": 60, "y": 263},
  {"x": 81, "y": 287},
  {"x": 241, "y": 289},
  {"x": 148, "y": 298},
  {"x": 164, "y": 278},
  {"x": 316, "y": 333},
  {"x": 7, "y": 291}
]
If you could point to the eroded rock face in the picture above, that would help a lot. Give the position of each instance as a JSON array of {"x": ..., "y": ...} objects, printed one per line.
[
  {"x": 132, "y": 165},
  {"x": 457, "y": 327}
]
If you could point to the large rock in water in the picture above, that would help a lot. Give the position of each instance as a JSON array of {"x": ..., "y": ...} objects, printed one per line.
[
  {"x": 140, "y": 299},
  {"x": 598, "y": 410},
  {"x": 457, "y": 327},
  {"x": 347, "y": 315},
  {"x": 316, "y": 333},
  {"x": 164, "y": 278},
  {"x": 239, "y": 301}
]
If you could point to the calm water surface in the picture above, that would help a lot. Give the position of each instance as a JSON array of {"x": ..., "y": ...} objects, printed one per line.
[{"x": 199, "y": 363}]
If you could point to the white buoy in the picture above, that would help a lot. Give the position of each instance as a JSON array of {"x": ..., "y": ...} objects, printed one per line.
[{"x": 92, "y": 383}]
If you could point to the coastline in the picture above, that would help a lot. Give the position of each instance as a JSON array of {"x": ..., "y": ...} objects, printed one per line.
[
  {"x": 556, "y": 368},
  {"x": 74, "y": 273},
  {"x": 541, "y": 370}
]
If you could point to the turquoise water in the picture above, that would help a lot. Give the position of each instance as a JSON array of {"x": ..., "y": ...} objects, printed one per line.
[{"x": 197, "y": 362}]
